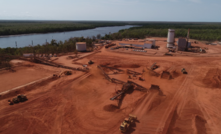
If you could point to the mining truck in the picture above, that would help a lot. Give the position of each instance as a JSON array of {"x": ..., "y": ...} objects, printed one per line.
[
  {"x": 64, "y": 73},
  {"x": 183, "y": 70},
  {"x": 127, "y": 123},
  {"x": 141, "y": 79},
  {"x": 90, "y": 62},
  {"x": 17, "y": 99}
]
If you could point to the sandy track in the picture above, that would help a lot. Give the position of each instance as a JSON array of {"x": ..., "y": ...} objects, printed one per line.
[
  {"x": 209, "y": 111},
  {"x": 61, "y": 107},
  {"x": 163, "y": 126},
  {"x": 148, "y": 121}
]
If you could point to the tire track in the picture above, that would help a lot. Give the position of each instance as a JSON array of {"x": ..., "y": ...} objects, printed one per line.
[
  {"x": 207, "y": 112},
  {"x": 61, "y": 109},
  {"x": 40, "y": 96},
  {"x": 163, "y": 125},
  {"x": 154, "y": 120},
  {"x": 143, "y": 103}
]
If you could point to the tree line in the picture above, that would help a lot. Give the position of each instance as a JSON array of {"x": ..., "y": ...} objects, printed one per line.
[
  {"x": 206, "y": 32},
  {"x": 52, "y": 47},
  {"x": 26, "y": 27}
]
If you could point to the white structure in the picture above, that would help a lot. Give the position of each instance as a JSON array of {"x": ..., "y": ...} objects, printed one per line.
[
  {"x": 152, "y": 40},
  {"x": 81, "y": 46},
  {"x": 170, "y": 38},
  {"x": 146, "y": 45}
]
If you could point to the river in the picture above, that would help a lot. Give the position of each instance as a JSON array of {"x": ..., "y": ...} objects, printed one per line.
[{"x": 26, "y": 39}]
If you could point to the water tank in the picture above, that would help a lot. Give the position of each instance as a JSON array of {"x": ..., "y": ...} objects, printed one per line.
[
  {"x": 171, "y": 38},
  {"x": 81, "y": 46}
]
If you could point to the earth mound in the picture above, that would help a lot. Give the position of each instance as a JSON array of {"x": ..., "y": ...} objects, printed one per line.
[
  {"x": 127, "y": 66},
  {"x": 166, "y": 75},
  {"x": 213, "y": 78},
  {"x": 110, "y": 108}
]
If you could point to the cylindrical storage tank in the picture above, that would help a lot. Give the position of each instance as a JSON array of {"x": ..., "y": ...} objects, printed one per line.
[
  {"x": 81, "y": 46},
  {"x": 171, "y": 38}
]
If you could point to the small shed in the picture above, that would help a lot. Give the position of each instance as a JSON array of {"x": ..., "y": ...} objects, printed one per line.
[{"x": 81, "y": 46}]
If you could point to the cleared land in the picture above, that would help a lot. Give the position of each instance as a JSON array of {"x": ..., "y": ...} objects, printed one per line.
[
  {"x": 24, "y": 73},
  {"x": 81, "y": 103}
]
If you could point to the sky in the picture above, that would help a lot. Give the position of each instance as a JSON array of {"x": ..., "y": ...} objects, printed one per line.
[{"x": 112, "y": 10}]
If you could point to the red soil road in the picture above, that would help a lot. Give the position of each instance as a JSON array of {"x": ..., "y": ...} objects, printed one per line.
[{"x": 81, "y": 103}]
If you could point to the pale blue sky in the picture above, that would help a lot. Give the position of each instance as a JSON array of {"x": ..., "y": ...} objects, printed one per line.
[{"x": 112, "y": 10}]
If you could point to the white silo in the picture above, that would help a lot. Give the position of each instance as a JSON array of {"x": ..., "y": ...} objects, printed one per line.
[
  {"x": 170, "y": 38},
  {"x": 81, "y": 46}
]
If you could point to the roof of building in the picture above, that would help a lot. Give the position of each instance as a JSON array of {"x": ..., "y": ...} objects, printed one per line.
[
  {"x": 80, "y": 42},
  {"x": 135, "y": 42}
]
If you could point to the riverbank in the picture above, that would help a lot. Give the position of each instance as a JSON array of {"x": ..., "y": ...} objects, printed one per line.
[
  {"x": 27, "y": 27},
  {"x": 26, "y": 40},
  {"x": 199, "y": 31}
]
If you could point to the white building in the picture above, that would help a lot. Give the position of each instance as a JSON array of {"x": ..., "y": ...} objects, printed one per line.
[
  {"x": 171, "y": 38},
  {"x": 81, "y": 46},
  {"x": 151, "y": 40},
  {"x": 146, "y": 45}
]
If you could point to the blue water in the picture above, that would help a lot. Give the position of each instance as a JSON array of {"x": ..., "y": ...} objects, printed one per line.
[{"x": 25, "y": 40}]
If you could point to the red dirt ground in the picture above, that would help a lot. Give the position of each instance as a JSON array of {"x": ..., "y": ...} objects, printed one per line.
[
  {"x": 24, "y": 73},
  {"x": 80, "y": 103}
]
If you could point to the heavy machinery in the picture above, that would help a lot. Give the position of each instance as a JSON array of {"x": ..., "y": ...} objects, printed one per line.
[
  {"x": 90, "y": 62},
  {"x": 64, "y": 73},
  {"x": 141, "y": 79},
  {"x": 127, "y": 87},
  {"x": 127, "y": 123},
  {"x": 202, "y": 50},
  {"x": 183, "y": 70},
  {"x": 113, "y": 69},
  {"x": 154, "y": 66},
  {"x": 17, "y": 99},
  {"x": 133, "y": 72}
]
